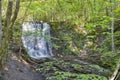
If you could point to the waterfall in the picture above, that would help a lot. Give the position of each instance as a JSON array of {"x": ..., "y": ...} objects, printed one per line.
[{"x": 36, "y": 39}]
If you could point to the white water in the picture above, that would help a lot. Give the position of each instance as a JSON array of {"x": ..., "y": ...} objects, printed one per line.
[{"x": 36, "y": 39}]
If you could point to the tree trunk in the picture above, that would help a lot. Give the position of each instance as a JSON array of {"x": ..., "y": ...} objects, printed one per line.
[
  {"x": 9, "y": 22},
  {"x": 14, "y": 17},
  {"x": 112, "y": 25},
  {"x": 0, "y": 22}
]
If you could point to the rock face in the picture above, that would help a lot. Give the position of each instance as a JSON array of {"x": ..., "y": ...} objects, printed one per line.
[{"x": 36, "y": 39}]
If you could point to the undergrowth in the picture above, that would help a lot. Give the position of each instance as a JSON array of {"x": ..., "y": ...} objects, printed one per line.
[{"x": 62, "y": 70}]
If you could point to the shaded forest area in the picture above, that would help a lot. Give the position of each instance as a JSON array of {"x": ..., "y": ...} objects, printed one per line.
[{"x": 85, "y": 37}]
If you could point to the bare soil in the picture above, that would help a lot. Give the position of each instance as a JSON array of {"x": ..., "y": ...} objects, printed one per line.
[{"x": 17, "y": 69}]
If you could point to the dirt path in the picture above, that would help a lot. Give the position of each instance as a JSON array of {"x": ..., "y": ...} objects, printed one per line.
[{"x": 20, "y": 70}]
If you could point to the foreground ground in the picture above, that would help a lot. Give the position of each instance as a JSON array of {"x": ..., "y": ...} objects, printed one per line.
[
  {"x": 17, "y": 69},
  {"x": 58, "y": 68}
]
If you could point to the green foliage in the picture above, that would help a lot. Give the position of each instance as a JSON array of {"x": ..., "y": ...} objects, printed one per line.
[
  {"x": 76, "y": 21},
  {"x": 33, "y": 33},
  {"x": 63, "y": 70},
  {"x": 69, "y": 76},
  {"x": 75, "y": 24},
  {"x": 107, "y": 42},
  {"x": 110, "y": 59},
  {"x": 117, "y": 39}
]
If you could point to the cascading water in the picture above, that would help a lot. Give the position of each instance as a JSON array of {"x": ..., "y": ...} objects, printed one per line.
[{"x": 36, "y": 39}]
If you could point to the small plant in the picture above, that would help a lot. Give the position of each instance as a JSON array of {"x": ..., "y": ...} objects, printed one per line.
[{"x": 73, "y": 76}]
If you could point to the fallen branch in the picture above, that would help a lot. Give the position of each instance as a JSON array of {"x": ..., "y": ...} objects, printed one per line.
[{"x": 116, "y": 72}]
